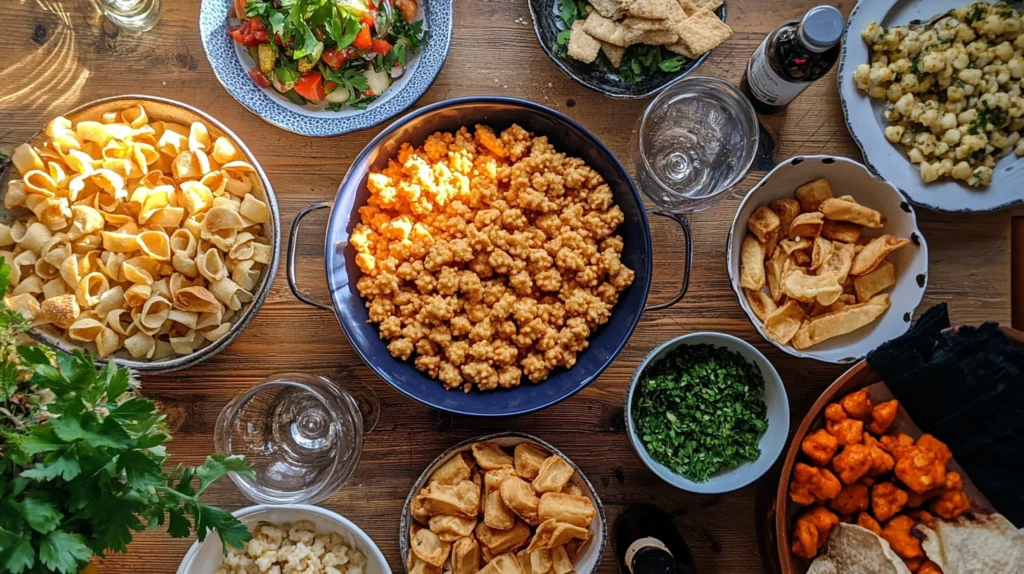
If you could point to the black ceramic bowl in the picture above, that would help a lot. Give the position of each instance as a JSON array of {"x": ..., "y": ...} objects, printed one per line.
[
  {"x": 599, "y": 76},
  {"x": 343, "y": 273}
]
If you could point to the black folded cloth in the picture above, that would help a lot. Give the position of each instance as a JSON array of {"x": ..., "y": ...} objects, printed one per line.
[{"x": 967, "y": 389}]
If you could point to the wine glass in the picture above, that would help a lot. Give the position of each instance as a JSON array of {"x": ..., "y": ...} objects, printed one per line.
[
  {"x": 134, "y": 15},
  {"x": 302, "y": 434}
]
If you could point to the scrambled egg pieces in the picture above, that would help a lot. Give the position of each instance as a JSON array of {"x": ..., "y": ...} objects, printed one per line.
[
  {"x": 954, "y": 89},
  {"x": 293, "y": 549},
  {"x": 489, "y": 257}
]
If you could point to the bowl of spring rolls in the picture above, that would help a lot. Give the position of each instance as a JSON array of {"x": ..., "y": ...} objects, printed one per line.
[
  {"x": 505, "y": 503},
  {"x": 826, "y": 259}
]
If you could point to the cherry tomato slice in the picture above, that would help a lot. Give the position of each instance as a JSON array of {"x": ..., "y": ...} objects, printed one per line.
[
  {"x": 380, "y": 46},
  {"x": 259, "y": 77},
  {"x": 335, "y": 58},
  {"x": 240, "y": 8},
  {"x": 311, "y": 87},
  {"x": 363, "y": 40}
]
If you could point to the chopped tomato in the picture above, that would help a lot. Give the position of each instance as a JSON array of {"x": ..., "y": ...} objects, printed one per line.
[
  {"x": 369, "y": 92},
  {"x": 259, "y": 77},
  {"x": 240, "y": 8},
  {"x": 369, "y": 18},
  {"x": 250, "y": 33},
  {"x": 311, "y": 87},
  {"x": 329, "y": 87},
  {"x": 336, "y": 58},
  {"x": 282, "y": 43},
  {"x": 363, "y": 40},
  {"x": 380, "y": 46},
  {"x": 408, "y": 8}
]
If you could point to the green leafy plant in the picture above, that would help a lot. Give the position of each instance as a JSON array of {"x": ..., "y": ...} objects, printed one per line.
[{"x": 82, "y": 461}]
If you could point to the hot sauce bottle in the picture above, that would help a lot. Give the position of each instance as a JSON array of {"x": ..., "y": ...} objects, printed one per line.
[{"x": 793, "y": 57}]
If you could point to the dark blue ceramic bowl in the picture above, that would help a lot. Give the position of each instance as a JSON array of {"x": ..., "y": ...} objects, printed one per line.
[{"x": 342, "y": 272}]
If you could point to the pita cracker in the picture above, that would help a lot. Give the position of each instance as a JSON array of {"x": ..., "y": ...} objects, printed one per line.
[
  {"x": 613, "y": 53},
  {"x": 611, "y": 9},
  {"x": 783, "y": 324},
  {"x": 655, "y": 38},
  {"x": 987, "y": 544},
  {"x": 582, "y": 46},
  {"x": 703, "y": 31},
  {"x": 846, "y": 320},
  {"x": 852, "y": 549},
  {"x": 607, "y": 31},
  {"x": 652, "y": 9}
]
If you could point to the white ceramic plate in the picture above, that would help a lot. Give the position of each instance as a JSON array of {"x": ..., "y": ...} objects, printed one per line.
[
  {"x": 864, "y": 119},
  {"x": 206, "y": 557},
  {"x": 846, "y": 177},
  {"x": 772, "y": 441},
  {"x": 589, "y": 559}
]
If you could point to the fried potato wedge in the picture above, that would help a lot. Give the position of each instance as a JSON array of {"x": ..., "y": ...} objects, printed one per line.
[
  {"x": 875, "y": 252},
  {"x": 552, "y": 533},
  {"x": 553, "y": 475},
  {"x": 783, "y": 324},
  {"x": 528, "y": 458},
  {"x": 760, "y": 303},
  {"x": 811, "y": 195},
  {"x": 576, "y": 510},
  {"x": 881, "y": 278},
  {"x": 846, "y": 320},
  {"x": 763, "y": 222},
  {"x": 752, "y": 264},
  {"x": 838, "y": 209}
]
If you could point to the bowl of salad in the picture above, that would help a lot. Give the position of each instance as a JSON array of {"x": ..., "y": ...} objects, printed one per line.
[{"x": 326, "y": 67}]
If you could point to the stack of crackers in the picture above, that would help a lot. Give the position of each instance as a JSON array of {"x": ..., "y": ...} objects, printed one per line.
[{"x": 686, "y": 27}]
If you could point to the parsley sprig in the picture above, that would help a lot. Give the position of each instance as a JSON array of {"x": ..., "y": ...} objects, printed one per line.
[
  {"x": 81, "y": 461},
  {"x": 700, "y": 410}
]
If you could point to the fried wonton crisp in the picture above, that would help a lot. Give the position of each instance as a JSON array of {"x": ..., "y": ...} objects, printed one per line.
[
  {"x": 428, "y": 547},
  {"x": 450, "y": 528},
  {"x": 875, "y": 252},
  {"x": 462, "y": 499},
  {"x": 806, "y": 225},
  {"x": 763, "y": 222},
  {"x": 838, "y": 209},
  {"x": 496, "y": 513},
  {"x": 576, "y": 510},
  {"x": 752, "y": 264},
  {"x": 466, "y": 556},
  {"x": 503, "y": 564},
  {"x": 760, "y": 303},
  {"x": 518, "y": 495},
  {"x": 823, "y": 289},
  {"x": 781, "y": 325},
  {"x": 811, "y": 195},
  {"x": 453, "y": 471},
  {"x": 490, "y": 456},
  {"x": 878, "y": 280},
  {"x": 552, "y": 533},
  {"x": 501, "y": 541},
  {"x": 846, "y": 320},
  {"x": 843, "y": 231},
  {"x": 528, "y": 459},
  {"x": 553, "y": 475}
]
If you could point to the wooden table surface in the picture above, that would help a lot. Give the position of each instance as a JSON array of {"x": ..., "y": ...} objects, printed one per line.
[{"x": 58, "y": 54}]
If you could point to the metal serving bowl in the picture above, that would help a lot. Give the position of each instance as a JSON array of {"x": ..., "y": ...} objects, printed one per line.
[
  {"x": 343, "y": 273},
  {"x": 172, "y": 111}
]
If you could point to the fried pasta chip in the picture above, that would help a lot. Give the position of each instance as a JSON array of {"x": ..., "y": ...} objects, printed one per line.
[
  {"x": 760, "y": 303},
  {"x": 763, "y": 222},
  {"x": 575, "y": 510},
  {"x": 819, "y": 446},
  {"x": 451, "y": 528},
  {"x": 752, "y": 264},
  {"x": 466, "y": 556},
  {"x": 453, "y": 471},
  {"x": 838, "y": 209},
  {"x": 852, "y": 463},
  {"x": 428, "y": 547},
  {"x": 811, "y": 195},
  {"x": 784, "y": 323},
  {"x": 887, "y": 500},
  {"x": 812, "y": 484},
  {"x": 518, "y": 495},
  {"x": 875, "y": 252},
  {"x": 552, "y": 533},
  {"x": 846, "y": 320},
  {"x": 528, "y": 459},
  {"x": 500, "y": 541},
  {"x": 490, "y": 456},
  {"x": 806, "y": 225},
  {"x": 876, "y": 281},
  {"x": 553, "y": 475}
]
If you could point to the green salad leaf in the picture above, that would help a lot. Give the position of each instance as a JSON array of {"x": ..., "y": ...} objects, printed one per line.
[{"x": 700, "y": 410}]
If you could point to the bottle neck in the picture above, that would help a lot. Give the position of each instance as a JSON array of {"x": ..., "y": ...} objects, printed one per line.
[{"x": 650, "y": 556}]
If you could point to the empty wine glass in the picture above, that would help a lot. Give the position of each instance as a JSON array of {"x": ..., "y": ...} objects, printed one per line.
[
  {"x": 302, "y": 435},
  {"x": 134, "y": 15}
]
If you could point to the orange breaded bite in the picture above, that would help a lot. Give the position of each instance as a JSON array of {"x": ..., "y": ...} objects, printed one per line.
[
  {"x": 846, "y": 430},
  {"x": 811, "y": 531},
  {"x": 898, "y": 444},
  {"x": 923, "y": 466},
  {"x": 857, "y": 405},
  {"x": 887, "y": 500},
  {"x": 881, "y": 461},
  {"x": 488, "y": 258},
  {"x": 852, "y": 463},
  {"x": 865, "y": 520},
  {"x": 897, "y": 532},
  {"x": 812, "y": 484},
  {"x": 952, "y": 501},
  {"x": 819, "y": 446},
  {"x": 882, "y": 416},
  {"x": 852, "y": 498}
]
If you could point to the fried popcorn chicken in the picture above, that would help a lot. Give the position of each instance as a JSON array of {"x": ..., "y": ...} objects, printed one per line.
[
  {"x": 865, "y": 520},
  {"x": 811, "y": 484},
  {"x": 882, "y": 416},
  {"x": 897, "y": 532},
  {"x": 923, "y": 466},
  {"x": 852, "y": 498},
  {"x": 488, "y": 257},
  {"x": 846, "y": 430},
  {"x": 887, "y": 500},
  {"x": 952, "y": 501},
  {"x": 852, "y": 463},
  {"x": 819, "y": 446},
  {"x": 811, "y": 531},
  {"x": 857, "y": 405}
]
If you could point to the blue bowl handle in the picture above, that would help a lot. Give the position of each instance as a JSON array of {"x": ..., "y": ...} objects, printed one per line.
[
  {"x": 293, "y": 237},
  {"x": 685, "y": 225}
]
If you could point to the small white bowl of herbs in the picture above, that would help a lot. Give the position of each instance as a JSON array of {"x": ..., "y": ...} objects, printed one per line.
[{"x": 707, "y": 413}]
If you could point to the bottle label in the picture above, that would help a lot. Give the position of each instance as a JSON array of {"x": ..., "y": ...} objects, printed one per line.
[
  {"x": 766, "y": 84},
  {"x": 639, "y": 545}
]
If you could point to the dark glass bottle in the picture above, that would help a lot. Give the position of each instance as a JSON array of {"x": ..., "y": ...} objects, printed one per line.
[
  {"x": 792, "y": 57},
  {"x": 646, "y": 542}
]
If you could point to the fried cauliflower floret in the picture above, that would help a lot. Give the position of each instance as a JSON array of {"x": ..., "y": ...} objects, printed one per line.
[
  {"x": 857, "y": 405},
  {"x": 852, "y": 463},
  {"x": 812, "y": 484},
  {"x": 928, "y": 567},
  {"x": 881, "y": 461},
  {"x": 811, "y": 530},
  {"x": 852, "y": 498},
  {"x": 923, "y": 466},
  {"x": 898, "y": 444},
  {"x": 887, "y": 500},
  {"x": 819, "y": 446},
  {"x": 865, "y": 520},
  {"x": 846, "y": 430},
  {"x": 898, "y": 533},
  {"x": 882, "y": 416},
  {"x": 952, "y": 501}
]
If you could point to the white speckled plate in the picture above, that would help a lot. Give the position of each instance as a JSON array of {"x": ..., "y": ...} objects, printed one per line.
[
  {"x": 231, "y": 61},
  {"x": 864, "y": 118}
]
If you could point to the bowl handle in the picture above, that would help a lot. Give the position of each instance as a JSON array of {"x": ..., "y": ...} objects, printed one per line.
[
  {"x": 293, "y": 237},
  {"x": 685, "y": 225}
]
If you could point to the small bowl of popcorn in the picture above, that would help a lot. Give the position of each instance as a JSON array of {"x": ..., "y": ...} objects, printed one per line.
[{"x": 295, "y": 538}]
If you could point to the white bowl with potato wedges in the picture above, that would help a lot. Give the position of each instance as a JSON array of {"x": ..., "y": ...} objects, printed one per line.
[{"x": 827, "y": 260}]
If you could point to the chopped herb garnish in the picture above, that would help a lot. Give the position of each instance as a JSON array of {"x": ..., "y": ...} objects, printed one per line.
[{"x": 700, "y": 410}]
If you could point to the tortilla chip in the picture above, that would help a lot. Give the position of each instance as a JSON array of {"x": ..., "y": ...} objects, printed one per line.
[
  {"x": 611, "y": 9},
  {"x": 552, "y": 533},
  {"x": 821, "y": 253},
  {"x": 703, "y": 31},
  {"x": 875, "y": 252},
  {"x": 761, "y": 304},
  {"x": 453, "y": 471},
  {"x": 846, "y": 320},
  {"x": 986, "y": 543},
  {"x": 613, "y": 53},
  {"x": 607, "y": 31},
  {"x": 838, "y": 209},
  {"x": 762, "y": 222},
  {"x": 490, "y": 456},
  {"x": 852, "y": 549},
  {"x": 582, "y": 46},
  {"x": 576, "y": 510},
  {"x": 810, "y": 288},
  {"x": 810, "y": 195},
  {"x": 752, "y": 264},
  {"x": 838, "y": 265},
  {"x": 840, "y": 231},
  {"x": 806, "y": 225},
  {"x": 652, "y": 9},
  {"x": 787, "y": 210},
  {"x": 781, "y": 325},
  {"x": 868, "y": 285}
]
